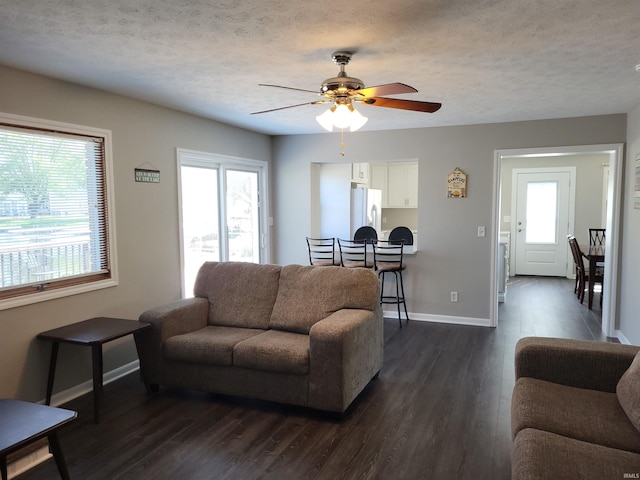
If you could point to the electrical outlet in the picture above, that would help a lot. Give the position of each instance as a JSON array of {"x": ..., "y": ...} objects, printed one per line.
[
  {"x": 454, "y": 296},
  {"x": 481, "y": 232}
]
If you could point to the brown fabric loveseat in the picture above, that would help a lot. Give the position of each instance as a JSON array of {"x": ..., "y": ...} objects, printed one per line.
[
  {"x": 302, "y": 335},
  {"x": 575, "y": 411}
]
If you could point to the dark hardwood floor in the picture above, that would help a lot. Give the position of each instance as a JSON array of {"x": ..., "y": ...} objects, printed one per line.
[{"x": 440, "y": 409}]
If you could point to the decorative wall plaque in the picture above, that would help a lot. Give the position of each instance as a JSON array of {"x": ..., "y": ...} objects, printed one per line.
[
  {"x": 457, "y": 184},
  {"x": 145, "y": 175}
]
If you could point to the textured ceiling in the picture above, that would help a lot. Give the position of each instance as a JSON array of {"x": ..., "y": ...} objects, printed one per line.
[{"x": 485, "y": 60}]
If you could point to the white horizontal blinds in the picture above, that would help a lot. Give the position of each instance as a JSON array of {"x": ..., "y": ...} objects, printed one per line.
[{"x": 53, "y": 218}]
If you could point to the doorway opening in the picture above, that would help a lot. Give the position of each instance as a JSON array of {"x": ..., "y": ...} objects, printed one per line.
[{"x": 613, "y": 153}]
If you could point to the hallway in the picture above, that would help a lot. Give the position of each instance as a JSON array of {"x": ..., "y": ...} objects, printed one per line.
[{"x": 547, "y": 307}]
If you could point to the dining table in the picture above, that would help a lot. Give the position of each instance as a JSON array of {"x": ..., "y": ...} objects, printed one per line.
[{"x": 595, "y": 255}]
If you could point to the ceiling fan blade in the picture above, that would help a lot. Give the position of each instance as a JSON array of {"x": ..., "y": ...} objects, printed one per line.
[
  {"x": 387, "y": 89},
  {"x": 428, "y": 107},
  {"x": 292, "y": 106},
  {"x": 291, "y": 88}
]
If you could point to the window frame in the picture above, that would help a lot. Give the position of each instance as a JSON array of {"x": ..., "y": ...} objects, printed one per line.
[{"x": 93, "y": 281}]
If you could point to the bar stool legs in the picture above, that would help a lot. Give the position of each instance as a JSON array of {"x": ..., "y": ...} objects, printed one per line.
[{"x": 399, "y": 296}]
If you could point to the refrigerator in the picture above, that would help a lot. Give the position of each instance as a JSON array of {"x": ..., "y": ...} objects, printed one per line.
[{"x": 366, "y": 208}]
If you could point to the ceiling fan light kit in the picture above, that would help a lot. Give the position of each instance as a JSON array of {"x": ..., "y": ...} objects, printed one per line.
[{"x": 342, "y": 116}]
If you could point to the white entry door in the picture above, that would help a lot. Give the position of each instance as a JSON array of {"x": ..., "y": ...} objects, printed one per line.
[{"x": 544, "y": 200}]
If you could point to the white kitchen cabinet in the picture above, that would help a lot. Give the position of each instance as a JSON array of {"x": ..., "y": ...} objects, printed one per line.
[
  {"x": 360, "y": 173},
  {"x": 402, "y": 183}
]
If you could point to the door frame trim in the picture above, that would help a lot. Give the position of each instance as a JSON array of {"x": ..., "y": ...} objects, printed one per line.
[
  {"x": 571, "y": 213},
  {"x": 616, "y": 159}
]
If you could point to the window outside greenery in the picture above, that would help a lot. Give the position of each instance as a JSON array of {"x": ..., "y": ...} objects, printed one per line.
[{"x": 53, "y": 210}]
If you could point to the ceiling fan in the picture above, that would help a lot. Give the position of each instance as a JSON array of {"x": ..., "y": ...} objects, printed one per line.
[{"x": 342, "y": 92}]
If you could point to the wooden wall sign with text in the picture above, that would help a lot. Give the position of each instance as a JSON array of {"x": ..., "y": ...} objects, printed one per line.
[
  {"x": 147, "y": 176},
  {"x": 457, "y": 184}
]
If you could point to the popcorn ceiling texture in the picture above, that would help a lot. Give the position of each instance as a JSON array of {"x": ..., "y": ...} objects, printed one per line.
[{"x": 486, "y": 60}]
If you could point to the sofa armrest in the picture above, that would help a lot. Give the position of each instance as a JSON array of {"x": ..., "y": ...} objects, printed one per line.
[
  {"x": 176, "y": 318},
  {"x": 577, "y": 363},
  {"x": 345, "y": 353}
]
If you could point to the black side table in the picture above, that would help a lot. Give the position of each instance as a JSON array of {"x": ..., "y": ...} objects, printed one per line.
[
  {"x": 24, "y": 423},
  {"x": 93, "y": 333}
]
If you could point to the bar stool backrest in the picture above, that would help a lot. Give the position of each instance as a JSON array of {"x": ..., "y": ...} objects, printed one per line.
[{"x": 322, "y": 251}]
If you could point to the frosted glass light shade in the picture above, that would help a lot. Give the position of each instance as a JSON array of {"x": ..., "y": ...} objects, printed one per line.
[
  {"x": 326, "y": 120},
  {"x": 357, "y": 120},
  {"x": 341, "y": 116}
]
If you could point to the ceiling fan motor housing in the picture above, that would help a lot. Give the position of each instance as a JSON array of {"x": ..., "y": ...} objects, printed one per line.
[{"x": 341, "y": 85}]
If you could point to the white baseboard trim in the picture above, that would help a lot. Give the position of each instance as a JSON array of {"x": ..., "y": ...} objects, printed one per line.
[
  {"x": 620, "y": 336},
  {"x": 36, "y": 457},
  {"x": 423, "y": 317},
  {"x": 86, "y": 387},
  {"x": 21, "y": 465}
]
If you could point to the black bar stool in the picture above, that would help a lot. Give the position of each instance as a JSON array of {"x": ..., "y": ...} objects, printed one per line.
[
  {"x": 388, "y": 258},
  {"x": 322, "y": 251},
  {"x": 354, "y": 254}
]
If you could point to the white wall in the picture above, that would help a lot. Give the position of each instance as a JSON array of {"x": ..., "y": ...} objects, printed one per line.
[
  {"x": 334, "y": 197},
  {"x": 146, "y": 215},
  {"x": 451, "y": 256},
  {"x": 629, "y": 278}
]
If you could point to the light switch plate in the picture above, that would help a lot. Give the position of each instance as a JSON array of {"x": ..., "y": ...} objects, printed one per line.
[{"x": 481, "y": 232}]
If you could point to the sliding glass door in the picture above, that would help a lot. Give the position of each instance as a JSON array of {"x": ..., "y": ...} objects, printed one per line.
[
  {"x": 222, "y": 212},
  {"x": 243, "y": 215}
]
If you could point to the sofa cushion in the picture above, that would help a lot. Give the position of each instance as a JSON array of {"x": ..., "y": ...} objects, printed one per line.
[
  {"x": 308, "y": 294},
  {"x": 628, "y": 392},
  {"x": 543, "y": 455},
  {"x": 211, "y": 345},
  {"x": 274, "y": 351},
  {"x": 240, "y": 294},
  {"x": 587, "y": 415}
]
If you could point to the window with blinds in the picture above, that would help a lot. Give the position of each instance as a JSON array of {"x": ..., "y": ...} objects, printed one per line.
[{"x": 54, "y": 215}]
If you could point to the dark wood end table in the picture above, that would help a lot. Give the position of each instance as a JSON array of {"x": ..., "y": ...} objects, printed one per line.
[
  {"x": 93, "y": 333},
  {"x": 24, "y": 423}
]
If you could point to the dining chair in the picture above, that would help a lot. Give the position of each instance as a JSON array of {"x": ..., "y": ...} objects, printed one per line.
[
  {"x": 401, "y": 233},
  {"x": 322, "y": 251},
  {"x": 575, "y": 287},
  {"x": 597, "y": 236},
  {"x": 584, "y": 274},
  {"x": 354, "y": 254},
  {"x": 581, "y": 273},
  {"x": 388, "y": 258},
  {"x": 366, "y": 233}
]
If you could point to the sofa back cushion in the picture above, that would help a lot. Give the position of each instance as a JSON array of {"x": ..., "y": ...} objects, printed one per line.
[
  {"x": 240, "y": 294},
  {"x": 628, "y": 391},
  {"x": 308, "y": 294}
]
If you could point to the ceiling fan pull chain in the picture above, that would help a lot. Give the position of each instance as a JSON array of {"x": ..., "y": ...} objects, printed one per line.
[{"x": 342, "y": 142}]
